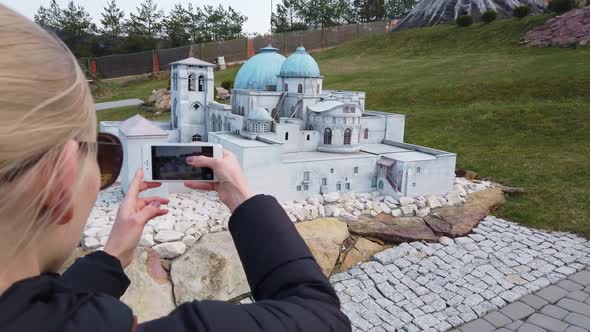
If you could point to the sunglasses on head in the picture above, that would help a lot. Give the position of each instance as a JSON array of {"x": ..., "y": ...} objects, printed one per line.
[{"x": 109, "y": 155}]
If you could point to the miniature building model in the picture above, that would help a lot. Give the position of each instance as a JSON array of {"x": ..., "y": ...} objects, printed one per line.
[{"x": 292, "y": 137}]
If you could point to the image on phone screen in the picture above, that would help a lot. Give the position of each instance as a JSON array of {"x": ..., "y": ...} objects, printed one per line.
[{"x": 169, "y": 163}]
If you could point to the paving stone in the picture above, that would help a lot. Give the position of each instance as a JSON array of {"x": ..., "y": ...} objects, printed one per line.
[
  {"x": 534, "y": 301},
  {"x": 517, "y": 310},
  {"x": 582, "y": 278},
  {"x": 552, "y": 293},
  {"x": 579, "y": 296},
  {"x": 527, "y": 327},
  {"x": 478, "y": 325},
  {"x": 514, "y": 325},
  {"x": 554, "y": 311},
  {"x": 575, "y": 329},
  {"x": 574, "y": 306},
  {"x": 578, "y": 320},
  {"x": 548, "y": 323},
  {"x": 497, "y": 319},
  {"x": 570, "y": 285}
]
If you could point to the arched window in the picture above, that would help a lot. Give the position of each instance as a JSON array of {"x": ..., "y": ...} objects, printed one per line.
[
  {"x": 300, "y": 88},
  {"x": 191, "y": 82},
  {"x": 286, "y": 136},
  {"x": 366, "y": 133},
  {"x": 242, "y": 111},
  {"x": 286, "y": 87},
  {"x": 308, "y": 137},
  {"x": 347, "y": 135},
  {"x": 381, "y": 185},
  {"x": 201, "y": 83},
  {"x": 318, "y": 89},
  {"x": 328, "y": 136},
  {"x": 197, "y": 138}
]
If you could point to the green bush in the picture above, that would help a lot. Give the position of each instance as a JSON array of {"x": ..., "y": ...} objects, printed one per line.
[
  {"x": 562, "y": 6},
  {"x": 521, "y": 11},
  {"x": 489, "y": 16},
  {"x": 228, "y": 85},
  {"x": 464, "y": 20}
]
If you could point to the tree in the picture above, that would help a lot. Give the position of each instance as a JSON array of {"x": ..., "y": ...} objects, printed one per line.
[
  {"x": 176, "y": 26},
  {"x": 289, "y": 16},
  {"x": 396, "y": 9},
  {"x": 146, "y": 23},
  {"x": 50, "y": 17},
  {"x": 370, "y": 10},
  {"x": 112, "y": 21}
]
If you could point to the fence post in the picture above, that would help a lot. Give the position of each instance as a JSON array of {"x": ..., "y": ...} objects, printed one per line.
[
  {"x": 250, "y": 48},
  {"x": 155, "y": 61},
  {"x": 92, "y": 66}
]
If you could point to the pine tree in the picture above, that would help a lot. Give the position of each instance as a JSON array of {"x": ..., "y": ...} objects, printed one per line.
[
  {"x": 76, "y": 21},
  {"x": 112, "y": 21},
  {"x": 50, "y": 17},
  {"x": 146, "y": 23},
  {"x": 176, "y": 26}
]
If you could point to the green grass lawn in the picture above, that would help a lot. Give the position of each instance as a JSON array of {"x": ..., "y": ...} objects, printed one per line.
[{"x": 515, "y": 115}]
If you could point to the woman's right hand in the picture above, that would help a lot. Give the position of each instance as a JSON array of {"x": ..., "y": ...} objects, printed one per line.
[{"x": 232, "y": 187}]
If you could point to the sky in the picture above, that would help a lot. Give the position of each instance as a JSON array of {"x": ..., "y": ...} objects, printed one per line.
[{"x": 257, "y": 11}]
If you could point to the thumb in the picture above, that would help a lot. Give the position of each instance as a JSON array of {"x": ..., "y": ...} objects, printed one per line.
[{"x": 149, "y": 212}]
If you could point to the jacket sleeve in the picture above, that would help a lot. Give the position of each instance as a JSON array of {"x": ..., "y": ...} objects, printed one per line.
[
  {"x": 290, "y": 290},
  {"x": 97, "y": 272}
]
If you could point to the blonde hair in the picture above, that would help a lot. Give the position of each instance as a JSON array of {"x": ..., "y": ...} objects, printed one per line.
[{"x": 45, "y": 101}]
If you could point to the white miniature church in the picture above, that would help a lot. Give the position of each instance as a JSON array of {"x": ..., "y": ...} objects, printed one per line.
[{"x": 292, "y": 138}]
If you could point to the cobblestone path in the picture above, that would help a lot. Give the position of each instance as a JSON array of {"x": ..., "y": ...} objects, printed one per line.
[
  {"x": 564, "y": 306},
  {"x": 440, "y": 286}
]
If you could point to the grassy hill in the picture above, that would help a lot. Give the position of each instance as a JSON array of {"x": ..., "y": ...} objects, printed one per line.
[{"x": 515, "y": 115}]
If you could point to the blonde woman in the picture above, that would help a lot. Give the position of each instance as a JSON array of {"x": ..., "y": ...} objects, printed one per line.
[{"x": 51, "y": 168}]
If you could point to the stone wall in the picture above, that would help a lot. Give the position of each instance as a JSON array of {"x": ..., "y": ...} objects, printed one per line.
[{"x": 570, "y": 29}]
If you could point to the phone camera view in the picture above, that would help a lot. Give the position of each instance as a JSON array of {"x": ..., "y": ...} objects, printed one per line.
[{"x": 169, "y": 163}]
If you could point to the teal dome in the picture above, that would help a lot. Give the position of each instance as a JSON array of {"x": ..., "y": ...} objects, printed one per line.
[
  {"x": 300, "y": 64},
  {"x": 259, "y": 114},
  {"x": 260, "y": 72}
]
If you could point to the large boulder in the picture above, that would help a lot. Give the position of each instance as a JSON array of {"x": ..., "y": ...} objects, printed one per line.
[
  {"x": 459, "y": 221},
  {"x": 569, "y": 29},
  {"x": 150, "y": 293},
  {"x": 211, "y": 270},
  {"x": 394, "y": 230},
  {"x": 362, "y": 251},
  {"x": 324, "y": 237}
]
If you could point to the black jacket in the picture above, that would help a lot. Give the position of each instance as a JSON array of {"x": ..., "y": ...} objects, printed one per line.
[{"x": 290, "y": 290}]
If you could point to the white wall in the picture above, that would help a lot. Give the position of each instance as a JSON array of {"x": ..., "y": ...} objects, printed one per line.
[{"x": 133, "y": 160}]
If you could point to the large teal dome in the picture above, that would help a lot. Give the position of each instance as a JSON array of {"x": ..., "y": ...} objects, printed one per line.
[
  {"x": 300, "y": 64},
  {"x": 260, "y": 72}
]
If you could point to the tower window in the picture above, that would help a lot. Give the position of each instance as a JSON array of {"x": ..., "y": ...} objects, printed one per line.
[
  {"x": 318, "y": 89},
  {"x": 366, "y": 133},
  {"x": 300, "y": 88},
  {"x": 347, "y": 136},
  {"x": 373, "y": 181},
  {"x": 347, "y": 186},
  {"x": 201, "y": 83},
  {"x": 356, "y": 170},
  {"x": 286, "y": 136},
  {"x": 308, "y": 137},
  {"x": 305, "y": 187},
  {"x": 286, "y": 87},
  {"x": 197, "y": 138},
  {"x": 191, "y": 82},
  {"x": 338, "y": 186},
  {"x": 324, "y": 181},
  {"x": 328, "y": 136},
  {"x": 298, "y": 188},
  {"x": 331, "y": 170}
]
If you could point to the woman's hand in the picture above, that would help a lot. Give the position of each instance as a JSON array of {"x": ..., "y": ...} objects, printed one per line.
[
  {"x": 132, "y": 216},
  {"x": 232, "y": 186}
]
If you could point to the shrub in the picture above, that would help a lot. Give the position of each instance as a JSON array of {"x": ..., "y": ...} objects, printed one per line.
[
  {"x": 521, "y": 11},
  {"x": 228, "y": 85},
  {"x": 562, "y": 6},
  {"x": 464, "y": 20},
  {"x": 489, "y": 16}
]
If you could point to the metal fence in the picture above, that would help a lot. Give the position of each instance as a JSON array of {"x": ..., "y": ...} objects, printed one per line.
[{"x": 233, "y": 50}]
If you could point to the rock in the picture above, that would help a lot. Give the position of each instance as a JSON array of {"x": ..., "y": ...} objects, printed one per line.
[
  {"x": 453, "y": 198},
  {"x": 459, "y": 221},
  {"x": 311, "y": 212},
  {"x": 150, "y": 292},
  {"x": 168, "y": 236},
  {"x": 331, "y": 197},
  {"x": 316, "y": 200},
  {"x": 396, "y": 212},
  {"x": 446, "y": 241},
  {"x": 170, "y": 250},
  {"x": 189, "y": 240},
  {"x": 433, "y": 202},
  {"x": 211, "y": 270},
  {"x": 408, "y": 210},
  {"x": 324, "y": 238},
  {"x": 567, "y": 30},
  {"x": 423, "y": 212},
  {"x": 405, "y": 201},
  {"x": 147, "y": 240},
  {"x": 90, "y": 243},
  {"x": 391, "y": 200},
  {"x": 393, "y": 229},
  {"x": 346, "y": 216},
  {"x": 182, "y": 226},
  {"x": 362, "y": 251},
  {"x": 299, "y": 213}
]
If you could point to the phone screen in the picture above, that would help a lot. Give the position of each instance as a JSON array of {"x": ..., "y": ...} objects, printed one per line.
[{"x": 169, "y": 163}]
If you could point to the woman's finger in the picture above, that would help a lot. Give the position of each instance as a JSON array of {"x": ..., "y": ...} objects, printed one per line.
[
  {"x": 135, "y": 184},
  {"x": 148, "y": 185},
  {"x": 149, "y": 212},
  {"x": 209, "y": 186},
  {"x": 202, "y": 161},
  {"x": 148, "y": 200}
]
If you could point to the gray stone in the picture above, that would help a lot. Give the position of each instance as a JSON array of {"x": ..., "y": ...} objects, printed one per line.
[
  {"x": 582, "y": 278},
  {"x": 578, "y": 320},
  {"x": 579, "y": 296},
  {"x": 497, "y": 319},
  {"x": 552, "y": 293},
  {"x": 426, "y": 321},
  {"x": 574, "y": 306},
  {"x": 478, "y": 325},
  {"x": 575, "y": 329},
  {"x": 549, "y": 323},
  {"x": 569, "y": 285},
  {"x": 554, "y": 311},
  {"x": 534, "y": 301},
  {"x": 527, "y": 327},
  {"x": 517, "y": 310},
  {"x": 514, "y": 325}
]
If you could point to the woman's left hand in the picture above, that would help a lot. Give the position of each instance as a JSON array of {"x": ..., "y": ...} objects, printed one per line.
[{"x": 132, "y": 216}]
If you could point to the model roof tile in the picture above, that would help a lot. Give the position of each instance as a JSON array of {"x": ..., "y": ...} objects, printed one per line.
[
  {"x": 260, "y": 71},
  {"x": 137, "y": 125},
  {"x": 193, "y": 62},
  {"x": 300, "y": 64}
]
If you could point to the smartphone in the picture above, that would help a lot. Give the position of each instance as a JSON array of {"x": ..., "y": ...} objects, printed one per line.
[{"x": 166, "y": 162}]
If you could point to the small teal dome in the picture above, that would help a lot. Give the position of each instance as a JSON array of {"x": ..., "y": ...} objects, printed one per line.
[
  {"x": 300, "y": 64},
  {"x": 260, "y": 72},
  {"x": 259, "y": 114}
]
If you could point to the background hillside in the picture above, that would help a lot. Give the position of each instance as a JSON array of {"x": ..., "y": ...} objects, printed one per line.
[{"x": 515, "y": 115}]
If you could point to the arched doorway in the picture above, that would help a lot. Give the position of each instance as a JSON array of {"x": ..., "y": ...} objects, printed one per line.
[
  {"x": 328, "y": 136},
  {"x": 347, "y": 136}
]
